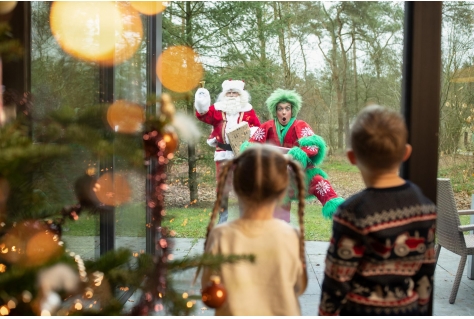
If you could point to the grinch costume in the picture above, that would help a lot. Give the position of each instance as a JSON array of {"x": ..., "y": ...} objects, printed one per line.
[{"x": 305, "y": 147}]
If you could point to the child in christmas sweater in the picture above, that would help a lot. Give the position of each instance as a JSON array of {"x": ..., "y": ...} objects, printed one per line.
[
  {"x": 271, "y": 285},
  {"x": 380, "y": 259}
]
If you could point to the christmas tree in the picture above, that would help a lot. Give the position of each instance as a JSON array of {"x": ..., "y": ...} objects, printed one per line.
[{"x": 38, "y": 274}]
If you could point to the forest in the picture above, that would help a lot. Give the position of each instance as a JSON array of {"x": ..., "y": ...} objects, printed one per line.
[{"x": 340, "y": 56}]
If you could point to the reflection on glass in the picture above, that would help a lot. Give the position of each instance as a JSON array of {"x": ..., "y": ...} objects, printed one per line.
[
  {"x": 125, "y": 117},
  {"x": 179, "y": 68},
  {"x": 86, "y": 30},
  {"x": 149, "y": 7}
]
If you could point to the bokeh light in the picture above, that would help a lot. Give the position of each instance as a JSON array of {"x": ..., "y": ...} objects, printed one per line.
[
  {"x": 41, "y": 247},
  {"x": 129, "y": 39},
  {"x": 7, "y": 6},
  {"x": 103, "y": 31},
  {"x": 125, "y": 117},
  {"x": 149, "y": 7},
  {"x": 29, "y": 243},
  {"x": 179, "y": 69},
  {"x": 112, "y": 189},
  {"x": 171, "y": 139},
  {"x": 86, "y": 30}
]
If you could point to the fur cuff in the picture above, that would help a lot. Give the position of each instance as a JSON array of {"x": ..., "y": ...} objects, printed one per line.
[
  {"x": 318, "y": 141},
  {"x": 299, "y": 155},
  {"x": 244, "y": 146},
  {"x": 330, "y": 208}
]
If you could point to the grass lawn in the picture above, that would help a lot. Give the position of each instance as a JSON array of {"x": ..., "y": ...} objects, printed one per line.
[
  {"x": 191, "y": 222},
  {"x": 188, "y": 222},
  {"x": 130, "y": 222}
]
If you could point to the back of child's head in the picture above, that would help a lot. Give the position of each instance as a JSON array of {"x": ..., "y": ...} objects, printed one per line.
[
  {"x": 378, "y": 137},
  {"x": 260, "y": 177}
]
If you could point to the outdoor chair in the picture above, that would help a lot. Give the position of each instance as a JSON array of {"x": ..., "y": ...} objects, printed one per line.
[{"x": 449, "y": 232}]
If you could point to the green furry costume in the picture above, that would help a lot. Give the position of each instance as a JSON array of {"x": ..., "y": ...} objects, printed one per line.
[{"x": 305, "y": 147}]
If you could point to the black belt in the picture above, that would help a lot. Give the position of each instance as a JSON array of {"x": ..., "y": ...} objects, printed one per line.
[{"x": 226, "y": 147}]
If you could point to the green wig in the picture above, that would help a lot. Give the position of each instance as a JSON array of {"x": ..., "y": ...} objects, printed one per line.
[{"x": 280, "y": 95}]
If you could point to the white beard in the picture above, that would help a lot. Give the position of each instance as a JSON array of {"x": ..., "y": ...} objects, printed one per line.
[{"x": 232, "y": 105}]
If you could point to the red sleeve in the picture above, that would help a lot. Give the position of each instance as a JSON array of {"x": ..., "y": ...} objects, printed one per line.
[
  {"x": 252, "y": 119},
  {"x": 211, "y": 117},
  {"x": 304, "y": 130}
]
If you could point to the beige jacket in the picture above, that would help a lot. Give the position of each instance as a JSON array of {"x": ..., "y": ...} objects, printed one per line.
[{"x": 272, "y": 284}]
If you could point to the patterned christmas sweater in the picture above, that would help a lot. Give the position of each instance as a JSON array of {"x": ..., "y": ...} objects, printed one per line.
[{"x": 381, "y": 259}]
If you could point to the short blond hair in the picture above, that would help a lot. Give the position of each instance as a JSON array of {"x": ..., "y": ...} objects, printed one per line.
[{"x": 378, "y": 137}]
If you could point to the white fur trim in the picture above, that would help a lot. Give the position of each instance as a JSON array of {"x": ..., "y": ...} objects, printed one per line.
[
  {"x": 253, "y": 129},
  {"x": 212, "y": 142},
  {"x": 221, "y": 106},
  {"x": 233, "y": 85},
  {"x": 223, "y": 155},
  {"x": 231, "y": 124},
  {"x": 202, "y": 100}
]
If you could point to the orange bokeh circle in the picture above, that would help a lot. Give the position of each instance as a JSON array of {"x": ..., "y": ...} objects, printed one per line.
[
  {"x": 104, "y": 32},
  {"x": 125, "y": 117},
  {"x": 86, "y": 30},
  {"x": 171, "y": 140},
  {"x": 127, "y": 41},
  {"x": 179, "y": 69},
  {"x": 149, "y": 7},
  {"x": 112, "y": 189},
  {"x": 29, "y": 243},
  {"x": 7, "y": 6},
  {"x": 41, "y": 247}
]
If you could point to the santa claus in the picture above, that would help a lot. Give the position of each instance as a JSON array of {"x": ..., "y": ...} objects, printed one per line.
[{"x": 231, "y": 110}]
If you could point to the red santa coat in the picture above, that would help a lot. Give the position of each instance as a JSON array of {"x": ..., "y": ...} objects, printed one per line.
[
  {"x": 267, "y": 133},
  {"x": 223, "y": 122}
]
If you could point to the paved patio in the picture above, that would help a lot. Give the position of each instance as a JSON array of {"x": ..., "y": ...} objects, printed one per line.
[{"x": 316, "y": 251}]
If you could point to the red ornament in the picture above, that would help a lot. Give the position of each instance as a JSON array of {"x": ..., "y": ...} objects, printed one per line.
[{"x": 214, "y": 294}]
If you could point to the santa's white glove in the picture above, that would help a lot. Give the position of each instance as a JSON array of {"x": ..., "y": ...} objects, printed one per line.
[
  {"x": 202, "y": 100},
  {"x": 212, "y": 142}
]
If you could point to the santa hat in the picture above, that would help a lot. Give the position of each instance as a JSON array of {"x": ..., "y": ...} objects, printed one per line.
[
  {"x": 288, "y": 96},
  {"x": 234, "y": 85}
]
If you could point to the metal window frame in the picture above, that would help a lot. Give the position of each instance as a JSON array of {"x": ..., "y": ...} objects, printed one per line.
[
  {"x": 421, "y": 95},
  {"x": 154, "y": 48}
]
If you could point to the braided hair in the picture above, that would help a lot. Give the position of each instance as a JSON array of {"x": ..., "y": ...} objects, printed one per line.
[{"x": 261, "y": 176}]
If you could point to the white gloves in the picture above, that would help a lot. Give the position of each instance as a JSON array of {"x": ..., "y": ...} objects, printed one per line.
[
  {"x": 202, "y": 100},
  {"x": 212, "y": 142}
]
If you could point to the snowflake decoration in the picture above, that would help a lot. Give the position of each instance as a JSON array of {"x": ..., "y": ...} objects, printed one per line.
[
  {"x": 259, "y": 134},
  {"x": 322, "y": 188},
  {"x": 312, "y": 148},
  {"x": 306, "y": 131}
]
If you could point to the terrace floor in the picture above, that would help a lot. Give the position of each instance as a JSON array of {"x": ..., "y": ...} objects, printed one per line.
[{"x": 315, "y": 254}]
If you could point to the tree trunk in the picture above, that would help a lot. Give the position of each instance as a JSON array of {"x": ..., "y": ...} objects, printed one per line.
[
  {"x": 354, "y": 66},
  {"x": 282, "y": 45}
]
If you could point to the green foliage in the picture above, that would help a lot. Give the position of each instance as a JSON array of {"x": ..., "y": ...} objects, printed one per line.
[
  {"x": 10, "y": 48},
  {"x": 461, "y": 173}
]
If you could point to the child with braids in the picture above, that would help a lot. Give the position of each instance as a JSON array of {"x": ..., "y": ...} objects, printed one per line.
[{"x": 271, "y": 285}]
